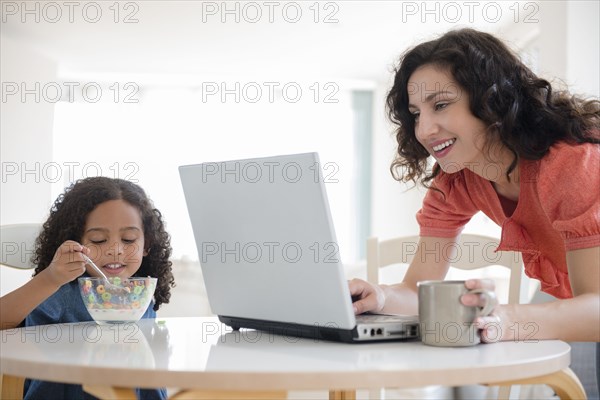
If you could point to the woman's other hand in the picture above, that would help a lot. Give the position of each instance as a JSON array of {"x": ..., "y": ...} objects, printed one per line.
[{"x": 493, "y": 326}]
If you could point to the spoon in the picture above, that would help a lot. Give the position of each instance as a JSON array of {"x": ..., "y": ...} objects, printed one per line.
[{"x": 108, "y": 283}]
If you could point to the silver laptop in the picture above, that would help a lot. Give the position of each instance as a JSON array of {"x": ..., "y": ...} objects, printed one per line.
[{"x": 268, "y": 251}]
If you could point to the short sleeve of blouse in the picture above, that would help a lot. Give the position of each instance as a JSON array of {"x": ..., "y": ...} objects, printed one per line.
[
  {"x": 445, "y": 212},
  {"x": 568, "y": 183}
]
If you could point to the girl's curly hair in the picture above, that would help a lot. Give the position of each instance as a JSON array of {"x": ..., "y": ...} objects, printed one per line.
[
  {"x": 67, "y": 221},
  {"x": 520, "y": 110}
]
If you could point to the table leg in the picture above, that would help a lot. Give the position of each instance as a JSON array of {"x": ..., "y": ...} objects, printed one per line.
[
  {"x": 342, "y": 395},
  {"x": 11, "y": 387},
  {"x": 504, "y": 393},
  {"x": 565, "y": 383},
  {"x": 113, "y": 393}
]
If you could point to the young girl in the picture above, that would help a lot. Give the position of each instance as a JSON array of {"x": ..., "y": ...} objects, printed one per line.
[
  {"x": 528, "y": 157},
  {"x": 116, "y": 225}
]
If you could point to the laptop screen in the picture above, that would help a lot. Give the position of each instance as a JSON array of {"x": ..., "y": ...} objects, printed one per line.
[{"x": 266, "y": 241}]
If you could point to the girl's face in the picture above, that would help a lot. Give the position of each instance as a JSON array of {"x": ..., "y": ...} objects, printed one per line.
[
  {"x": 444, "y": 124},
  {"x": 115, "y": 235}
]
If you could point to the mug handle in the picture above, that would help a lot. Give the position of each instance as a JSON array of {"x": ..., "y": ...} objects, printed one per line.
[{"x": 490, "y": 303}]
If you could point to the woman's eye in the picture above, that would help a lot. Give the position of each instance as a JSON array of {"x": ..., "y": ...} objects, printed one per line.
[
  {"x": 415, "y": 115},
  {"x": 129, "y": 241},
  {"x": 97, "y": 241},
  {"x": 440, "y": 106}
]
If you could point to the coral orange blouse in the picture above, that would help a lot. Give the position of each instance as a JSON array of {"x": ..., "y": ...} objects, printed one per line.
[{"x": 558, "y": 210}]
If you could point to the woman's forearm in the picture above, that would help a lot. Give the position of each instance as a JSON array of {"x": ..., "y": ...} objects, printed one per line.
[
  {"x": 400, "y": 298},
  {"x": 572, "y": 320}
]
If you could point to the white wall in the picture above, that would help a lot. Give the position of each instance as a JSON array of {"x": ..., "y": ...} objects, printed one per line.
[
  {"x": 552, "y": 40},
  {"x": 26, "y": 133},
  {"x": 26, "y": 143},
  {"x": 583, "y": 47},
  {"x": 567, "y": 46},
  {"x": 394, "y": 204}
]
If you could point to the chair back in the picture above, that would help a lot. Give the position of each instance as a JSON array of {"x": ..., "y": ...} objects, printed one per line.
[
  {"x": 18, "y": 244},
  {"x": 17, "y": 247},
  {"x": 470, "y": 252}
]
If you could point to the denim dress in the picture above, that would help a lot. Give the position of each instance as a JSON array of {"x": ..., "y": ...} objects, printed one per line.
[{"x": 66, "y": 306}]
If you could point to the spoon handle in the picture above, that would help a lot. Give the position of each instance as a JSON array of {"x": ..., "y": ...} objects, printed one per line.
[{"x": 93, "y": 265}]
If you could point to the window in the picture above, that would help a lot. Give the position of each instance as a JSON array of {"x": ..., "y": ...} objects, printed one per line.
[{"x": 169, "y": 126}]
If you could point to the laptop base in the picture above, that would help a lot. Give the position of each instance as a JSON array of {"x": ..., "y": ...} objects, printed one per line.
[{"x": 315, "y": 332}]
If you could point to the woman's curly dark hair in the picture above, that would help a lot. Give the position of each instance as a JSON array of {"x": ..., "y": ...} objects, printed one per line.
[
  {"x": 69, "y": 214},
  {"x": 520, "y": 110}
]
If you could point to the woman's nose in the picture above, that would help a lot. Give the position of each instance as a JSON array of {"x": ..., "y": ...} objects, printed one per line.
[{"x": 425, "y": 128}]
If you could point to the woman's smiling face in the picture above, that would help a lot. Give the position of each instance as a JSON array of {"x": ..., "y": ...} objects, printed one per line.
[{"x": 444, "y": 124}]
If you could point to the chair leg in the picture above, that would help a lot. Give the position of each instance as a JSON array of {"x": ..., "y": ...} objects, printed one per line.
[
  {"x": 504, "y": 393},
  {"x": 565, "y": 383},
  {"x": 12, "y": 387},
  {"x": 342, "y": 395}
]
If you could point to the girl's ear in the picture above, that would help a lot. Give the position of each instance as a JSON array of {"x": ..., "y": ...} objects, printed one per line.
[{"x": 146, "y": 252}]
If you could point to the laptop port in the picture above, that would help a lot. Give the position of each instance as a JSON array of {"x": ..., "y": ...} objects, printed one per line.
[
  {"x": 380, "y": 331},
  {"x": 396, "y": 333}
]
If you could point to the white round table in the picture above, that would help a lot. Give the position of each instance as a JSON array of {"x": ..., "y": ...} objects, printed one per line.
[{"x": 201, "y": 354}]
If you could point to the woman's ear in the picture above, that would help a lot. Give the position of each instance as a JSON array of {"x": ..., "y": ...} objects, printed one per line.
[{"x": 146, "y": 252}]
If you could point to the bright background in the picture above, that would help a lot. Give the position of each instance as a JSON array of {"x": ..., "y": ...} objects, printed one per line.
[{"x": 179, "y": 85}]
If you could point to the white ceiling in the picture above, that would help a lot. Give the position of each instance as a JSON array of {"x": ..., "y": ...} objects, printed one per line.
[{"x": 172, "y": 38}]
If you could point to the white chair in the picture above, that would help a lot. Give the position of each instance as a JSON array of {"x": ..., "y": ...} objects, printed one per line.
[
  {"x": 470, "y": 252},
  {"x": 17, "y": 246}
]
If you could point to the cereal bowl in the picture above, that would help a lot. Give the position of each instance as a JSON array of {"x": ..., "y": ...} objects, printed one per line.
[{"x": 126, "y": 300}]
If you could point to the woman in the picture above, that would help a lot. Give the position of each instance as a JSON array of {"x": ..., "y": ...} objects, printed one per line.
[{"x": 506, "y": 144}]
